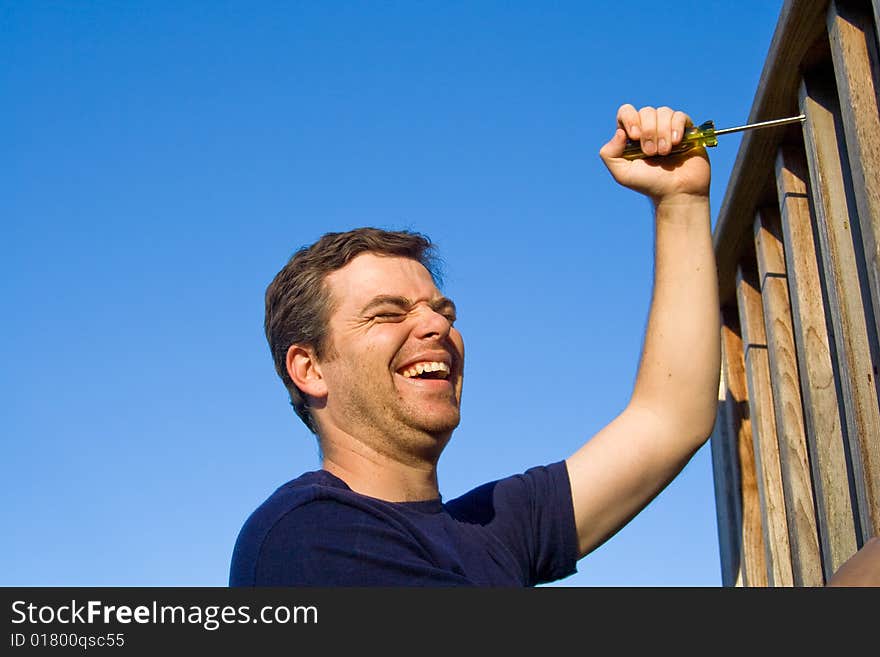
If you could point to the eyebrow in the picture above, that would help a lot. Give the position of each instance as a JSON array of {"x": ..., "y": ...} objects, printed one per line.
[{"x": 440, "y": 303}]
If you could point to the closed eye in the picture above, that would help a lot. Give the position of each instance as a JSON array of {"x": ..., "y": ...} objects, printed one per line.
[{"x": 446, "y": 308}]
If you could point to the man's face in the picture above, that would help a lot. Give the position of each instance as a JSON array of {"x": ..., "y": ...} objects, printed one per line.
[{"x": 394, "y": 376}]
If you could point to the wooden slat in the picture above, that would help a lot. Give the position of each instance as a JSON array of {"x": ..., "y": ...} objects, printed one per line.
[
  {"x": 753, "y": 561},
  {"x": 851, "y": 36},
  {"x": 854, "y": 52},
  {"x": 797, "y": 482},
  {"x": 876, "y": 4},
  {"x": 726, "y": 481},
  {"x": 767, "y": 459},
  {"x": 820, "y": 402},
  {"x": 799, "y": 26},
  {"x": 834, "y": 216}
]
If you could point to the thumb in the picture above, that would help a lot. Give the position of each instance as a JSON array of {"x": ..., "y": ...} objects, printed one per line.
[{"x": 614, "y": 148}]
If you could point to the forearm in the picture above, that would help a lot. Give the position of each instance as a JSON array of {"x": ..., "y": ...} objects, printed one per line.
[
  {"x": 672, "y": 410},
  {"x": 678, "y": 374}
]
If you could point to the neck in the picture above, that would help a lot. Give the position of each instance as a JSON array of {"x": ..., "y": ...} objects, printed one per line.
[{"x": 379, "y": 473}]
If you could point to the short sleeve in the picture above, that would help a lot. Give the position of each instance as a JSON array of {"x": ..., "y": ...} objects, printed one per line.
[{"x": 532, "y": 514}]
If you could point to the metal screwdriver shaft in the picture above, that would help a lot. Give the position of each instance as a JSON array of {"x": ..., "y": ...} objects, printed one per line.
[
  {"x": 704, "y": 135},
  {"x": 763, "y": 124}
]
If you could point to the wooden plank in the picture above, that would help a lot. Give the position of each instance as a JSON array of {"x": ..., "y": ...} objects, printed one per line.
[
  {"x": 822, "y": 422},
  {"x": 753, "y": 561},
  {"x": 826, "y": 155},
  {"x": 797, "y": 483},
  {"x": 876, "y": 4},
  {"x": 767, "y": 460},
  {"x": 726, "y": 482},
  {"x": 854, "y": 53},
  {"x": 800, "y": 25}
]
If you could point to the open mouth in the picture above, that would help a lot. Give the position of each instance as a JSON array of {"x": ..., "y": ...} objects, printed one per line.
[{"x": 426, "y": 370}]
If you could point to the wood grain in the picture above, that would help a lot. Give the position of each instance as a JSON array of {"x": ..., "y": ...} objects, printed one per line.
[
  {"x": 767, "y": 459},
  {"x": 822, "y": 412},
  {"x": 854, "y": 53},
  {"x": 797, "y": 483},
  {"x": 753, "y": 560},
  {"x": 834, "y": 217}
]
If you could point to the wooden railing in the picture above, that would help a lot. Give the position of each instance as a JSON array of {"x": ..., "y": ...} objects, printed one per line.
[{"x": 796, "y": 447}]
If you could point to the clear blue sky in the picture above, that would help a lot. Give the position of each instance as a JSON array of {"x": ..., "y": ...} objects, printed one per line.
[{"x": 162, "y": 160}]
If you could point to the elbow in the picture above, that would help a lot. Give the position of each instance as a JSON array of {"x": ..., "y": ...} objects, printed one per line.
[
  {"x": 703, "y": 424},
  {"x": 707, "y": 427},
  {"x": 696, "y": 426},
  {"x": 687, "y": 426}
]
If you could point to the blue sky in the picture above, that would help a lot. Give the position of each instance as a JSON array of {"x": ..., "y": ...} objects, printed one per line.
[{"x": 162, "y": 160}]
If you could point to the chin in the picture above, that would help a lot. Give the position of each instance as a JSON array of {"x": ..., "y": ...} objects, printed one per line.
[{"x": 439, "y": 425}]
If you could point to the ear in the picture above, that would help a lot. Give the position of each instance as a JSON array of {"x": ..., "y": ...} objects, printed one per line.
[{"x": 305, "y": 371}]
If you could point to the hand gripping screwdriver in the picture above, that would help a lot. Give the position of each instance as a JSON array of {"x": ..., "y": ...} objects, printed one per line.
[{"x": 703, "y": 135}]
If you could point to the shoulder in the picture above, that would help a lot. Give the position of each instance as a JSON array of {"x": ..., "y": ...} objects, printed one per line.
[
  {"x": 295, "y": 512},
  {"x": 545, "y": 483},
  {"x": 305, "y": 489}
]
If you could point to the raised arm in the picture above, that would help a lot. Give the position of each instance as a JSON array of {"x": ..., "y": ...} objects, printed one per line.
[{"x": 672, "y": 409}]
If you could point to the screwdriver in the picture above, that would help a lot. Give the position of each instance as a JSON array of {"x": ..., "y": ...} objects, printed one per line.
[{"x": 704, "y": 135}]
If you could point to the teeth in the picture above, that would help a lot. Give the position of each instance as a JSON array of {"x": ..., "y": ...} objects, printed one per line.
[{"x": 431, "y": 366}]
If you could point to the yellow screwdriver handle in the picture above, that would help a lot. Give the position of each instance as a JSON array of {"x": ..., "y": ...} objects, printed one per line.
[{"x": 702, "y": 135}]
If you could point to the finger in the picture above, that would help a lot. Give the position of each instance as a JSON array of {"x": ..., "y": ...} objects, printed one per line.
[
  {"x": 664, "y": 130},
  {"x": 614, "y": 148},
  {"x": 648, "y": 124},
  {"x": 628, "y": 119},
  {"x": 680, "y": 123}
]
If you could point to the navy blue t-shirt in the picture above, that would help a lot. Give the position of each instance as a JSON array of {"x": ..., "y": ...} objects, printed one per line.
[{"x": 316, "y": 531}]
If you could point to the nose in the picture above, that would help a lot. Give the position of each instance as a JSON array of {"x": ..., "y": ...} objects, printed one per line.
[{"x": 431, "y": 324}]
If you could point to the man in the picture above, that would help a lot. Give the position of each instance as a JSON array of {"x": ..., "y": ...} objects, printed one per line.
[{"x": 366, "y": 345}]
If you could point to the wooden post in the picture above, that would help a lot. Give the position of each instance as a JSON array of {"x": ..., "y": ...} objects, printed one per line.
[
  {"x": 797, "y": 483},
  {"x": 834, "y": 215},
  {"x": 753, "y": 560},
  {"x": 726, "y": 481},
  {"x": 767, "y": 459},
  {"x": 822, "y": 421},
  {"x": 854, "y": 53}
]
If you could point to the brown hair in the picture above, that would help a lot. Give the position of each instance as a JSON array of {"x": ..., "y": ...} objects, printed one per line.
[{"x": 298, "y": 303}]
